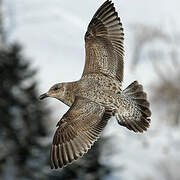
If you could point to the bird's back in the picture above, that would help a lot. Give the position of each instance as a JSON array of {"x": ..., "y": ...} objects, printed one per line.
[{"x": 99, "y": 88}]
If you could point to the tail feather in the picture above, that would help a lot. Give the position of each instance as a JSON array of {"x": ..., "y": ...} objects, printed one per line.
[
  {"x": 134, "y": 111},
  {"x": 133, "y": 88}
]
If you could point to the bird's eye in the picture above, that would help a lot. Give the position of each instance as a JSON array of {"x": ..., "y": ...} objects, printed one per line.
[{"x": 56, "y": 88}]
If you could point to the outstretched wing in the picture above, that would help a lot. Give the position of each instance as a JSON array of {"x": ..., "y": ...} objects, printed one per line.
[
  {"x": 104, "y": 43},
  {"x": 78, "y": 129}
]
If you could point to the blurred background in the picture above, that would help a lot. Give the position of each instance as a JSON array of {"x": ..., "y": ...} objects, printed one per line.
[{"x": 42, "y": 43}]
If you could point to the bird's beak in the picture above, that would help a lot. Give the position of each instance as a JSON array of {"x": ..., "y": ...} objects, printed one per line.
[{"x": 43, "y": 96}]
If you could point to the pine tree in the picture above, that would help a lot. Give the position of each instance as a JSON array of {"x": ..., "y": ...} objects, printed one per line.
[{"x": 22, "y": 119}]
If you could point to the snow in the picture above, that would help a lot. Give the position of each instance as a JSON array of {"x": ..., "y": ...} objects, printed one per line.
[{"x": 52, "y": 34}]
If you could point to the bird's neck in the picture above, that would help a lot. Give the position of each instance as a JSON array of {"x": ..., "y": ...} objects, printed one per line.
[{"x": 69, "y": 95}]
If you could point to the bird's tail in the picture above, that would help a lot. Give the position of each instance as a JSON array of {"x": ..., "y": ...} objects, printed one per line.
[{"x": 134, "y": 111}]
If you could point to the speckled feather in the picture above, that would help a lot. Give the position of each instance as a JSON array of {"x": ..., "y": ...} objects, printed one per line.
[
  {"x": 104, "y": 43},
  {"x": 78, "y": 129}
]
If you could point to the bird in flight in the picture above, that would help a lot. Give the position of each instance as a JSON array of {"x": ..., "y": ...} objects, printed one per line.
[{"x": 98, "y": 95}]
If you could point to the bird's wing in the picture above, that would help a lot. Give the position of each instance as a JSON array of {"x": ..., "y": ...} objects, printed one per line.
[
  {"x": 104, "y": 43},
  {"x": 78, "y": 129}
]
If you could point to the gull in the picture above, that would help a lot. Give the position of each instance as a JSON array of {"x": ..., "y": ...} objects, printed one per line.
[{"x": 98, "y": 95}]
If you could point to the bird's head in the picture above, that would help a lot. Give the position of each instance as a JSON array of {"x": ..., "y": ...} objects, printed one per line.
[{"x": 56, "y": 91}]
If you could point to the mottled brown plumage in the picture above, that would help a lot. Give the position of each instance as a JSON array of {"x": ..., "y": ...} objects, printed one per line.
[
  {"x": 77, "y": 131},
  {"x": 98, "y": 95}
]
